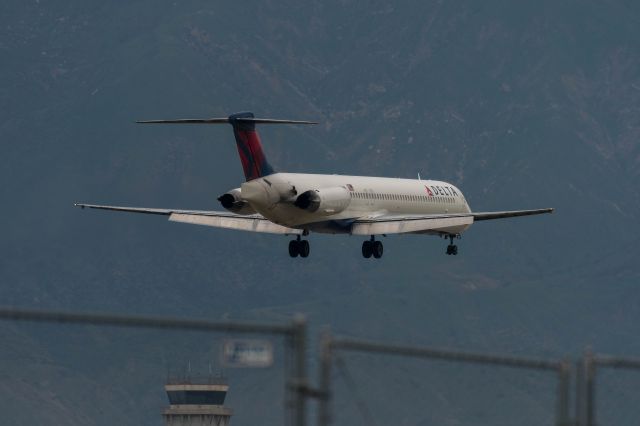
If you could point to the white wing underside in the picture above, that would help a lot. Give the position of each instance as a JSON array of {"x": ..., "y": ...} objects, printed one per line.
[
  {"x": 410, "y": 224},
  {"x": 372, "y": 225},
  {"x": 434, "y": 223},
  {"x": 254, "y": 223}
]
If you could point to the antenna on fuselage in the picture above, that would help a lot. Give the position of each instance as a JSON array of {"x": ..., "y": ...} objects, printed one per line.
[{"x": 419, "y": 176}]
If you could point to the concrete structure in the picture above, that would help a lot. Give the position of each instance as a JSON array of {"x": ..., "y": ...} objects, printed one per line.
[{"x": 193, "y": 403}]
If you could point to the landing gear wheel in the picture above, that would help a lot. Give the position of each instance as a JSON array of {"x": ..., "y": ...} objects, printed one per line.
[
  {"x": 294, "y": 249},
  {"x": 367, "y": 249},
  {"x": 452, "y": 248},
  {"x": 303, "y": 248},
  {"x": 377, "y": 249},
  {"x": 299, "y": 248}
]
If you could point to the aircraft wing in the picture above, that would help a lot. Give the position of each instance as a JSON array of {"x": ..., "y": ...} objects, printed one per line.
[
  {"x": 391, "y": 224},
  {"x": 436, "y": 223},
  {"x": 255, "y": 223},
  {"x": 513, "y": 213}
]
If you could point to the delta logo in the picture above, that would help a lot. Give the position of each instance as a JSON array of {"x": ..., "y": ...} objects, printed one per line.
[{"x": 440, "y": 190}]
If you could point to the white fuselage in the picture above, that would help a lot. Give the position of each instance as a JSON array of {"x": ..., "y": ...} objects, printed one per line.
[{"x": 349, "y": 198}]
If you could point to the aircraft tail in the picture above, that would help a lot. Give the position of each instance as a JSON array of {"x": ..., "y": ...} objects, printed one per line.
[{"x": 254, "y": 162}]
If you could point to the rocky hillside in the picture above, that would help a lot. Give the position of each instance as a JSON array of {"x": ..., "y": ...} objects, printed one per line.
[{"x": 521, "y": 106}]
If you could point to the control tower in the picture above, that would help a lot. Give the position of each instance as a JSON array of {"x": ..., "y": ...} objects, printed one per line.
[{"x": 197, "y": 403}]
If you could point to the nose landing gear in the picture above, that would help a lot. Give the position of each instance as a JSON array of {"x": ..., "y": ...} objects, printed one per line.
[
  {"x": 372, "y": 248},
  {"x": 452, "y": 249},
  {"x": 299, "y": 247}
]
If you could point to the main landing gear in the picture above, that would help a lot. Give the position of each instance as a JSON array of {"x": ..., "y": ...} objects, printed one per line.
[
  {"x": 452, "y": 249},
  {"x": 372, "y": 248},
  {"x": 299, "y": 247}
]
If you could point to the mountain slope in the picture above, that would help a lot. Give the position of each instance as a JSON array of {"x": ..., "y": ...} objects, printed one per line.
[{"x": 522, "y": 106}]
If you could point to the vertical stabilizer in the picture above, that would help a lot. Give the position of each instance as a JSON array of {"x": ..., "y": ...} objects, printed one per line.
[{"x": 254, "y": 162}]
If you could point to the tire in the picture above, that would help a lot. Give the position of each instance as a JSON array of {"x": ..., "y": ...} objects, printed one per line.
[
  {"x": 378, "y": 249},
  {"x": 294, "y": 249},
  {"x": 303, "y": 248},
  {"x": 367, "y": 249},
  {"x": 455, "y": 250}
]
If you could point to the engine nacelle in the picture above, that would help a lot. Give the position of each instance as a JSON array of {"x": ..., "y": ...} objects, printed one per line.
[
  {"x": 233, "y": 202},
  {"x": 324, "y": 201}
]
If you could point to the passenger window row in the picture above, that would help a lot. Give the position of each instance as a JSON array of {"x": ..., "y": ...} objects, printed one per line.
[{"x": 401, "y": 197}]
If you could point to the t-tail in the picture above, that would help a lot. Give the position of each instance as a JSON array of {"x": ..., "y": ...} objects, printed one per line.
[{"x": 254, "y": 162}]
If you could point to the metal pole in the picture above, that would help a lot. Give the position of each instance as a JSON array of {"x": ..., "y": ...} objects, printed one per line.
[
  {"x": 324, "y": 416},
  {"x": 300, "y": 382},
  {"x": 616, "y": 362},
  {"x": 136, "y": 321},
  {"x": 590, "y": 389},
  {"x": 444, "y": 354},
  {"x": 562, "y": 410},
  {"x": 579, "y": 393}
]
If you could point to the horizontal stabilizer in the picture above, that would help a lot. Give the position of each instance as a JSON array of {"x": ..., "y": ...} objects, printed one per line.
[
  {"x": 254, "y": 161},
  {"x": 225, "y": 120}
]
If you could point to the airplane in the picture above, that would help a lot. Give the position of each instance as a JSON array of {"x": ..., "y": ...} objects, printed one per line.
[{"x": 297, "y": 204}]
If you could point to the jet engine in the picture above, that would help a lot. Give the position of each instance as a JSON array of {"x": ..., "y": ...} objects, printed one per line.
[
  {"x": 233, "y": 202},
  {"x": 325, "y": 201}
]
